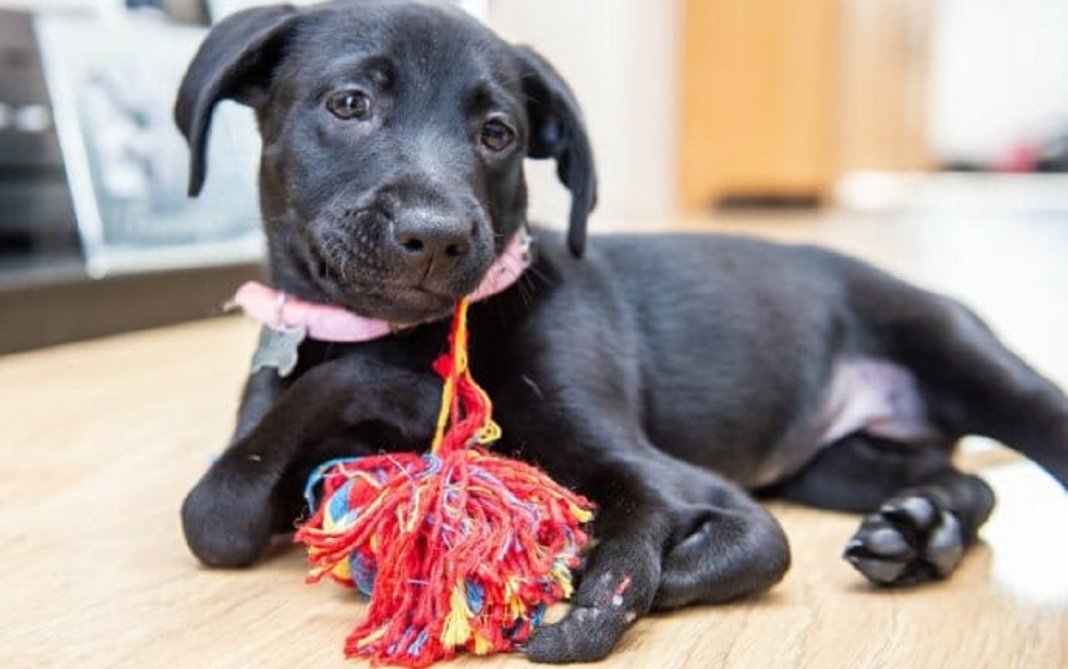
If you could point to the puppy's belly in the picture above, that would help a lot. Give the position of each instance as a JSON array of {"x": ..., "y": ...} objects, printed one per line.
[
  {"x": 864, "y": 395},
  {"x": 876, "y": 397}
]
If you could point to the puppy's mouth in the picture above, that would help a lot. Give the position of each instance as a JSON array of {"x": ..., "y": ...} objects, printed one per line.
[
  {"x": 386, "y": 297},
  {"x": 406, "y": 305}
]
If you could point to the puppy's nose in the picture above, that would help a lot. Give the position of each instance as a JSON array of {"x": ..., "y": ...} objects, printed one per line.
[{"x": 422, "y": 236}]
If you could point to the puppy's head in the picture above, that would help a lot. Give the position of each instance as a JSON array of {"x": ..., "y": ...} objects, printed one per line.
[{"x": 394, "y": 135}]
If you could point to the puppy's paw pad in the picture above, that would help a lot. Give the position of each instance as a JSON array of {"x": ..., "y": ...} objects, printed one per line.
[
  {"x": 586, "y": 634},
  {"x": 909, "y": 540}
]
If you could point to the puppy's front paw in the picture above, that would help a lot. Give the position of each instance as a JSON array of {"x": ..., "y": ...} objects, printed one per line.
[
  {"x": 909, "y": 540},
  {"x": 227, "y": 523},
  {"x": 616, "y": 586},
  {"x": 586, "y": 634}
]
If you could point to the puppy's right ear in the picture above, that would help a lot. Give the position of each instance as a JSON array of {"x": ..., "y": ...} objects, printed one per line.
[
  {"x": 557, "y": 131},
  {"x": 235, "y": 62}
]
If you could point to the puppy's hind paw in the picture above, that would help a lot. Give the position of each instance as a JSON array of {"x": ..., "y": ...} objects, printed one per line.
[
  {"x": 910, "y": 539},
  {"x": 586, "y": 634}
]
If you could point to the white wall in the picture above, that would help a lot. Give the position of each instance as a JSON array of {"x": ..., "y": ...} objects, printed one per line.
[
  {"x": 620, "y": 57},
  {"x": 999, "y": 73}
]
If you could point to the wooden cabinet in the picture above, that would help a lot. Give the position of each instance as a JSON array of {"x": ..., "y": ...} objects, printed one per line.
[{"x": 779, "y": 97}]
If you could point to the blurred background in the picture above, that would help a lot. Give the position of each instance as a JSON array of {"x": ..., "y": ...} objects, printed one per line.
[{"x": 921, "y": 124}]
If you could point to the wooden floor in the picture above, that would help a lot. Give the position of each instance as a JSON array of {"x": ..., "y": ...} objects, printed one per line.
[{"x": 101, "y": 440}]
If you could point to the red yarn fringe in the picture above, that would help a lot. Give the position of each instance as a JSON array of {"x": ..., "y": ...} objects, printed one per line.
[{"x": 460, "y": 549}]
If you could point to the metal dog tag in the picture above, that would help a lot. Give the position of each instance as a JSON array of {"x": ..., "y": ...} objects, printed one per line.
[{"x": 277, "y": 348}]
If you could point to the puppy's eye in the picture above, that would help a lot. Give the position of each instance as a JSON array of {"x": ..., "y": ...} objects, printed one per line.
[
  {"x": 496, "y": 135},
  {"x": 349, "y": 105}
]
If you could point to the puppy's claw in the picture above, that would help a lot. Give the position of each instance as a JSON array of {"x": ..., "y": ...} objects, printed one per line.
[
  {"x": 882, "y": 572},
  {"x": 909, "y": 540},
  {"x": 913, "y": 511},
  {"x": 945, "y": 547}
]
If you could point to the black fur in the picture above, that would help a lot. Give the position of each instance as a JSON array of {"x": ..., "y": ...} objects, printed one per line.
[{"x": 659, "y": 375}]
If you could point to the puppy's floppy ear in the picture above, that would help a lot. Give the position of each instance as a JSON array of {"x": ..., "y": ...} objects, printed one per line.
[
  {"x": 557, "y": 131},
  {"x": 235, "y": 62}
]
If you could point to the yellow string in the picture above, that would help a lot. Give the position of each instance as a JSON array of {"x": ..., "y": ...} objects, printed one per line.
[
  {"x": 457, "y": 629},
  {"x": 448, "y": 391},
  {"x": 490, "y": 431}
]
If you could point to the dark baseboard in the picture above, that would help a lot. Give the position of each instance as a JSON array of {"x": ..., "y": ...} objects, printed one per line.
[{"x": 38, "y": 314}]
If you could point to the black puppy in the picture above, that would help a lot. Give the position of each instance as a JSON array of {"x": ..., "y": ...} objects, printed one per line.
[{"x": 659, "y": 375}]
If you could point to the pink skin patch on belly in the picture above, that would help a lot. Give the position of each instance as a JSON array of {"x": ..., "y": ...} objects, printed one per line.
[{"x": 877, "y": 397}]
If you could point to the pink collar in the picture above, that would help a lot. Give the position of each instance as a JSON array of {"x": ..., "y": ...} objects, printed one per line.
[{"x": 326, "y": 322}]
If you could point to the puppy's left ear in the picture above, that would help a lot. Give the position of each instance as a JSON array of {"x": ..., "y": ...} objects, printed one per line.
[{"x": 557, "y": 131}]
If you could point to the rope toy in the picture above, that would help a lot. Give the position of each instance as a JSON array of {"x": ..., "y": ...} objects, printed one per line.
[{"x": 457, "y": 548}]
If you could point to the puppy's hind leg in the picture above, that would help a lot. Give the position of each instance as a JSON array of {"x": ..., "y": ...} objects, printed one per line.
[
  {"x": 974, "y": 385},
  {"x": 923, "y": 514},
  {"x": 971, "y": 383}
]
